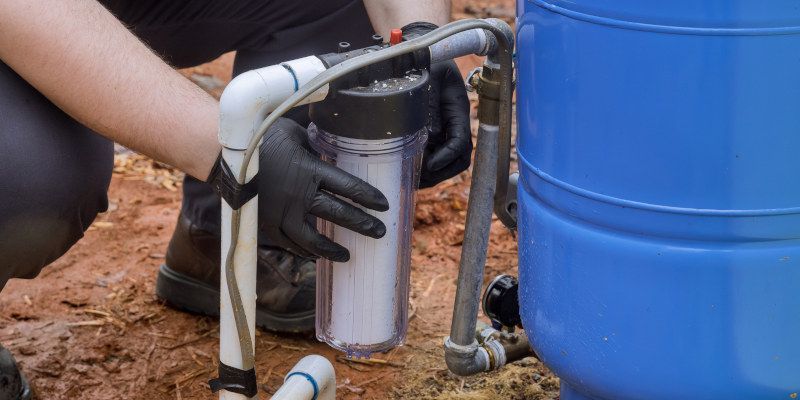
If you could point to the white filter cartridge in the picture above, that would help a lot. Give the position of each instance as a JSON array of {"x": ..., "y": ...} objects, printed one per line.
[
  {"x": 363, "y": 294},
  {"x": 362, "y": 304}
]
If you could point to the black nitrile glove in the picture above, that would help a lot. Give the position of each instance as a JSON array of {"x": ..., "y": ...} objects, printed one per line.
[
  {"x": 293, "y": 183},
  {"x": 449, "y": 146}
]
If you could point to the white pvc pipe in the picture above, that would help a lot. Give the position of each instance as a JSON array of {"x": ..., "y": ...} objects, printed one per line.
[
  {"x": 244, "y": 265},
  {"x": 244, "y": 104},
  {"x": 311, "y": 374}
]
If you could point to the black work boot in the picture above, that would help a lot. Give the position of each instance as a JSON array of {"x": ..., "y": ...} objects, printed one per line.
[
  {"x": 190, "y": 280},
  {"x": 13, "y": 385}
]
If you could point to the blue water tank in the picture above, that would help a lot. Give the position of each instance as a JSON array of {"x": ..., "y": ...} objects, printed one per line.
[{"x": 659, "y": 201}]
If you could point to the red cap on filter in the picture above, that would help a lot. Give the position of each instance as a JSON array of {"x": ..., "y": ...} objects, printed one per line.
[{"x": 396, "y": 37}]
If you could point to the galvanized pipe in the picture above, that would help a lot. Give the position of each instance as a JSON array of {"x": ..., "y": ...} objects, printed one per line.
[
  {"x": 463, "y": 355},
  {"x": 476, "y": 237},
  {"x": 473, "y": 41}
]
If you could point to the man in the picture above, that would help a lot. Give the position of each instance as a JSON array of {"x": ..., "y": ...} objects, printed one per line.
[{"x": 77, "y": 75}]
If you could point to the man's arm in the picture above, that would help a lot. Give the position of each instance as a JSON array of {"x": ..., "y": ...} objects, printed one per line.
[
  {"x": 86, "y": 62},
  {"x": 389, "y": 14}
]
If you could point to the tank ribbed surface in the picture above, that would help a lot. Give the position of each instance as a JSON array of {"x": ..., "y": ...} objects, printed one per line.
[{"x": 659, "y": 149}]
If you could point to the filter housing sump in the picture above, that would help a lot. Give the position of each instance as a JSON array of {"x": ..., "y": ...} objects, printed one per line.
[{"x": 372, "y": 125}]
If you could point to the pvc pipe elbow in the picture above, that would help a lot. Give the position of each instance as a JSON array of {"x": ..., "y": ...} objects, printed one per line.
[
  {"x": 313, "y": 377},
  {"x": 247, "y": 100},
  {"x": 251, "y": 96}
]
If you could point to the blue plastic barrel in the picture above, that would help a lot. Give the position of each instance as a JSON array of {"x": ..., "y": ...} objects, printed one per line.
[{"x": 659, "y": 236}]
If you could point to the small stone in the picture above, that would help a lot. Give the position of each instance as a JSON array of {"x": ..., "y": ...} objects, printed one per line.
[
  {"x": 80, "y": 368},
  {"x": 64, "y": 335},
  {"x": 111, "y": 366},
  {"x": 27, "y": 350},
  {"x": 51, "y": 368}
]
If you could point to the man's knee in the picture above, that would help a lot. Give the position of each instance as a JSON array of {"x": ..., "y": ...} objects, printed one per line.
[
  {"x": 43, "y": 220},
  {"x": 30, "y": 242},
  {"x": 53, "y": 179}
]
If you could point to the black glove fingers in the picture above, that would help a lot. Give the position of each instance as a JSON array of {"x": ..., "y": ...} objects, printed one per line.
[
  {"x": 456, "y": 147},
  {"x": 454, "y": 100},
  {"x": 454, "y": 106},
  {"x": 431, "y": 178},
  {"x": 437, "y": 128},
  {"x": 307, "y": 237},
  {"x": 278, "y": 238},
  {"x": 330, "y": 208},
  {"x": 293, "y": 131},
  {"x": 449, "y": 145},
  {"x": 339, "y": 182},
  {"x": 450, "y": 139}
]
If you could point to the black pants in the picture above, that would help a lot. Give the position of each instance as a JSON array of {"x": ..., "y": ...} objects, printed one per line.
[{"x": 54, "y": 173}]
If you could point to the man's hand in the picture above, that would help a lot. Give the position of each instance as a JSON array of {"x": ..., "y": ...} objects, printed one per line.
[
  {"x": 294, "y": 183},
  {"x": 449, "y": 148}
]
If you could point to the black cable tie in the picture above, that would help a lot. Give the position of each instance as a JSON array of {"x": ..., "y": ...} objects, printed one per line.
[
  {"x": 224, "y": 183},
  {"x": 235, "y": 380}
]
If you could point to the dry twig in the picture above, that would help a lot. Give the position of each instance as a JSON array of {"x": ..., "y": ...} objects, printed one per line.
[{"x": 369, "y": 361}]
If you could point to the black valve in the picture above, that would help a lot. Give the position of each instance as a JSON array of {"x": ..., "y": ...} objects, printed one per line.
[{"x": 501, "y": 302}]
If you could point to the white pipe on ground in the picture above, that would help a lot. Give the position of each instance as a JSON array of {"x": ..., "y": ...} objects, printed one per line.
[
  {"x": 244, "y": 104},
  {"x": 311, "y": 376}
]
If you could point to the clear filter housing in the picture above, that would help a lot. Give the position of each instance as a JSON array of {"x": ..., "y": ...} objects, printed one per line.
[{"x": 362, "y": 304}]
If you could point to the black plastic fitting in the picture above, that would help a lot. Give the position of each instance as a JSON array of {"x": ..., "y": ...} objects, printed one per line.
[{"x": 501, "y": 301}]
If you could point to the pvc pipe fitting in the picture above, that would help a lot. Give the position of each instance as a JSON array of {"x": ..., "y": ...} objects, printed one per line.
[
  {"x": 312, "y": 378},
  {"x": 252, "y": 95},
  {"x": 244, "y": 104}
]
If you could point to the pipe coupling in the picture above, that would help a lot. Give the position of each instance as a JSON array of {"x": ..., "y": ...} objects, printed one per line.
[{"x": 496, "y": 352}]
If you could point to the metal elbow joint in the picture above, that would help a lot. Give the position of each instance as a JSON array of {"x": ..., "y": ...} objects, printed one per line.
[
  {"x": 465, "y": 360},
  {"x": 487, "y": 355},
  {"x": 494, "y": 48}
]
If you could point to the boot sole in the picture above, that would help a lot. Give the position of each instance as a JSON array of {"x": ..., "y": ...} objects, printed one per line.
[
  {"x": 26, "y": 392},
  {"x": 191, "y": 295}
]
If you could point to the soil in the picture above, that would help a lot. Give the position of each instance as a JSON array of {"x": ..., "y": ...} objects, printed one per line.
[{"x": 90, "y": 325}]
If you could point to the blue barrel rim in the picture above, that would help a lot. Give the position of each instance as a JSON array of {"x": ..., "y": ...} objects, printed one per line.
[{"x": 656, "y": 28}]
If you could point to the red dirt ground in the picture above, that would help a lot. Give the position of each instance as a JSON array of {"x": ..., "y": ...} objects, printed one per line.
[{"x": 90, "y": 326}]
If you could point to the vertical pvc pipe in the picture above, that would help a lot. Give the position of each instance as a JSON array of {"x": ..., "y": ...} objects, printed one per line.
[
  {"x": 244, "y": 104},
  {"x": 244, "y": 265}
]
